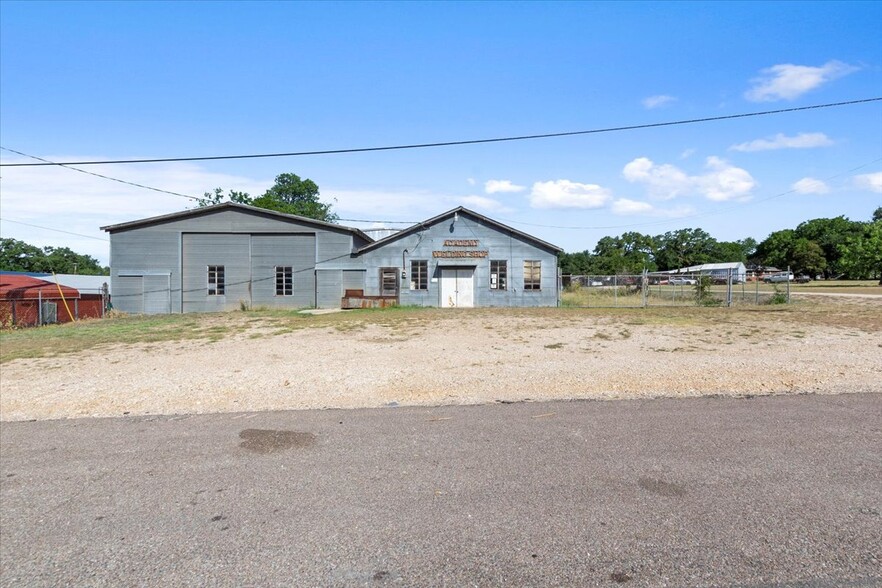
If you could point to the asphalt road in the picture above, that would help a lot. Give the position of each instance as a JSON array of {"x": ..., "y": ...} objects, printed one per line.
[{"x": 696, "y": 492}]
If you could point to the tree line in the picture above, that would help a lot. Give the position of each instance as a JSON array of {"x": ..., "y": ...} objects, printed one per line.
[
  {"x": 18, "y": 256},
  {"x": 828, "y": 247}
]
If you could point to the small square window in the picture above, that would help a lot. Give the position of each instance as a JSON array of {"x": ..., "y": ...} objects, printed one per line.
[
  {"x": 419, "y": 275},
  {"x": 215, "y": 280},
  {"x": 284, "y": 280},
  {"x": 498, "y": 274},
  {"x": 532, "y": 275}
]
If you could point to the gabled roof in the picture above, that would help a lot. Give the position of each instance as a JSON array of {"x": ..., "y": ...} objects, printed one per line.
[
  {"x": 450, "y": 214},
  {"x": 706, "y": 267},
  {"x": 196, "y": 212},
  {"x": 22, "y": 287},
  {"x": 85, "y": 284}
]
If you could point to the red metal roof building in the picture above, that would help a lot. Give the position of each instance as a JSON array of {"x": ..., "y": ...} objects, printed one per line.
[{"x": 29, "y": 301}]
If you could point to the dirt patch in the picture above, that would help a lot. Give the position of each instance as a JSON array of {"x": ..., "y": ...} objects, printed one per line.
[
  {"x": 404, "y": 357},
  {"x": 265, "y": 441},
  {"x": 661, "y": 487}
]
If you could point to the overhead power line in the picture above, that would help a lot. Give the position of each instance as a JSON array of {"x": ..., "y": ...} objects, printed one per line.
[
  {"x": 82, "y": 171},
  {"x": 6, "y": 220},
  {"x": 456, "y": 143}
]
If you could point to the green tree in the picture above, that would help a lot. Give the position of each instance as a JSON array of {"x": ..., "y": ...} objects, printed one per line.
[
  {"x": 292, "y": 195},
  {"x": 638, "y": 251},
  {"x": 683, "y": 248},
  {"x": 19, "y": 256},
  {"x": 877, "y": 215},
  {"x": 829, "y": 234},
  {"x": 777, "y": 249},
  {"x": 289, "y": 194},
  {"x": 218, "y": 197},
  {"x": 807, "y": 257},
  {"x": 861, "y": 255},
  {"x": 575, "y": 264},
  {"x": 748, "y": 248},
  {"x": 727, "y": 251}
]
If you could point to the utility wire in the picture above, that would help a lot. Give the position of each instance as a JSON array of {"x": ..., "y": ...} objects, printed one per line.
[
  {"x": 455, "y": 143},
  {"x": 6, "y": 220},
  {"x": 47, "y": 162}
]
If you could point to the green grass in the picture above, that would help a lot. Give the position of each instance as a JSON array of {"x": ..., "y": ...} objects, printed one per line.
[{"x": 856, "y": 315}]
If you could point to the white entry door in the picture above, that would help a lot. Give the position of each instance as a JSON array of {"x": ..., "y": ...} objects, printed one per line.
[{"x": 458, "y": 287}]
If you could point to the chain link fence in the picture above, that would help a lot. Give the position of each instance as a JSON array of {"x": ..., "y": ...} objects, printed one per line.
[
  {"x": 657, "y": 289},
  {"x": 44, "y": 310}
]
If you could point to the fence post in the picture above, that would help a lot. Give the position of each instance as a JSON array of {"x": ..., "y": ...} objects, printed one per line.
[
  {"x": 644, "y": 284},
  {"x": 39, "y": 308},
  {"x": 729, "y": 287},
  {"x": 788, "y": 284},
  {"x": 616, "y": 290},
  {"x": 756, "y": 283},
  {"x": 13, "y": 313}
]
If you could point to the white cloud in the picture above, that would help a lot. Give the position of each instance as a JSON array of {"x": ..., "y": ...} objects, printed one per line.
[
  {"x": 497, "y": 186},
  {"x": 484, "y": 204},
  {"x": 664, "y": 181},
  {"x": 657, "y": 101},
  {"x": 687, "y": 153},
  {"x": 60, "y": 198},
  {"x": 722, "y": 181},
  {"x": 871, "y": 182},
  {"x": 811, "y": 186},
  {"x": 787, "y": 81},
  {"x": 411, "y": 205},
  {"x": 781, "y": 141},
  {"x": 471, "y": 181},
  {"x": 725, "y": 181},
  {"x": 567, "y": 194},
  {"x": 625, "y": 206}
]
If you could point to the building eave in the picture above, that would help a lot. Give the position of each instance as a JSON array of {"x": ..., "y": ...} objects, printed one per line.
[
  {"x": 196, "y": 212},
  {"x": 450, "y": 214}
]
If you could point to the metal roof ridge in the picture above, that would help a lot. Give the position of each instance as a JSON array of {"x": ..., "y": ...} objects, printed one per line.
[
  {"x": 459, "y": 209},
  {"x": 231, "y": 205}
]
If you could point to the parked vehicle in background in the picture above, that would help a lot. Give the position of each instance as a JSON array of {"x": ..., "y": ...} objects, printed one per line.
[
  {"x": 778, "y": 278},
  {"x": 681, "y": 281}
]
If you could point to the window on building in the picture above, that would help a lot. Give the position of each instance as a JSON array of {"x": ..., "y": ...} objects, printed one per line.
[
  {"x": 389, "y": 281},
  {"x": 215, "y": 280},
  {"x": 532, "y": 275},
  {"x": 498, "y": 274},
  {"x": 284, "y": 280},
  {"x": 419, "y": 275}
]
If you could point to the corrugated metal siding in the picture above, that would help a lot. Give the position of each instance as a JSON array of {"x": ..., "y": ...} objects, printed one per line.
[
  {"x": 138, "y": 253},
  {"x": 229, "y": 250},
  {"x": 157, "y": 248},
  {"x": 499, "y": 245},
  {"x": 129, "y": 295},
  {"x": 157, "y": 294},
  {"x": 353, "y": 280},
  {"x": 269, "y": 251},
  {"x": 225, "y": 238},
  {"x": 329, "y": 290}
]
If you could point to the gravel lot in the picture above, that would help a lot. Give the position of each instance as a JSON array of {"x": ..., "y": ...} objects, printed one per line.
[{"x": 431, "y": 358}]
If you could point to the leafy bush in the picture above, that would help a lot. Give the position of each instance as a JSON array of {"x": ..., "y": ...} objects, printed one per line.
[
  {"x": 779, "y": 297},
  {"x": 703, "y": 294}
]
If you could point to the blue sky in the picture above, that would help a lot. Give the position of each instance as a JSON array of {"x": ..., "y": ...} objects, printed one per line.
[{"x": 93, "y": 81}]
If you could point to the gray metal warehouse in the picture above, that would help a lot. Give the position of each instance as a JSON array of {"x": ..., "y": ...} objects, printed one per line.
[{"x": 231, "y": 255}]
